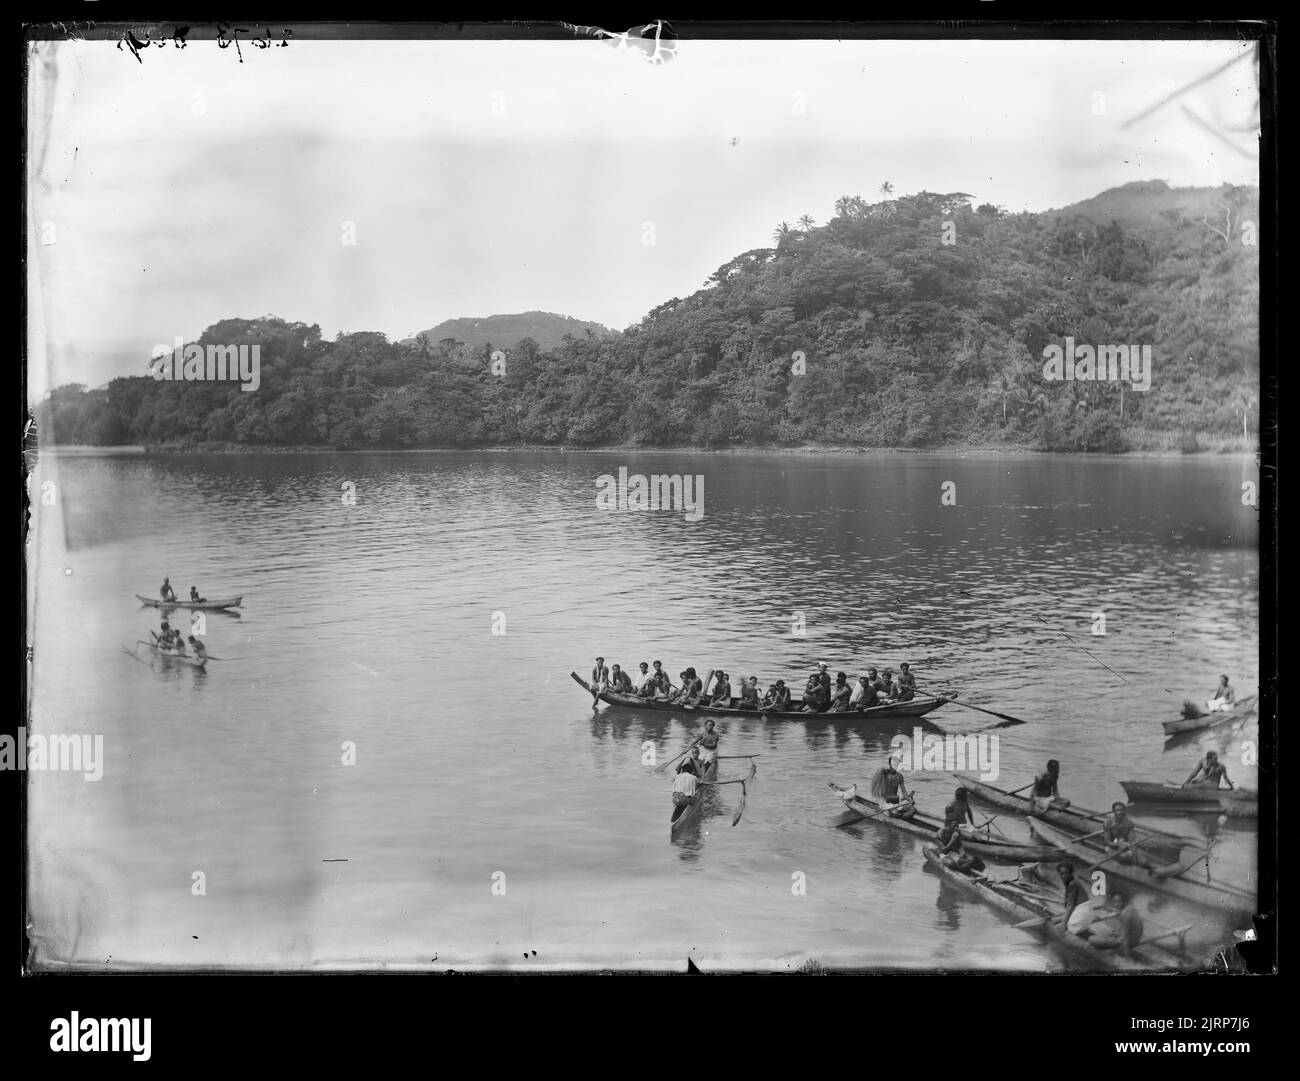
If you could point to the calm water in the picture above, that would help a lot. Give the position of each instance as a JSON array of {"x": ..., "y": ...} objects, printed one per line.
[{"x": 479, "y": 763}]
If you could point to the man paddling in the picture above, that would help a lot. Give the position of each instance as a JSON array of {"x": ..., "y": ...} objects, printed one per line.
[
  {"x": 1046, "y": 792},
  {"x": 1210, "y": 773},
  {"x": 1078, "y": 915},
  {"x": 166, "y": 592}
]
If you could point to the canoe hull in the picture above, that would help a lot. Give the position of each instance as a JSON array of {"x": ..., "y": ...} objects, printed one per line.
[
  {"x": 187, "y": 659},
  {"x": 194, "y": 606},
  {"x": 1232, "y": 801},
  {"x": 1074, "y": 820},
  {"x": 1184, "y": 725},
  {"x": 1221, "y": 898},
  {"x": 927, "y": 827}
]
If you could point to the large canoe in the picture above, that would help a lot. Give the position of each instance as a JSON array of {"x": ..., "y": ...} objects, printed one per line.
[
  {"x": 685, "y": 814},
  {"x": 187, "y": 659},
  {"x": 1241, "y": 802},
  {"x": 1219, "y": 896},
  {"x": 1073, "y": 819},
  {"x": 1213, "y": 719},
  {"x": 1019, "y": 902},
  {"x": 928, "y": 827},
  {"x": 894, "y": 711},
  {"x": 206, "y": 605}
]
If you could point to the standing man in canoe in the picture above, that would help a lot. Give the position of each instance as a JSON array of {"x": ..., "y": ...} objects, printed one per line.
[
  {"x": 1224, "y": 696},
  {"x": 1117, "y": 831},
  {"x": 1210, "y": 772},
  {"x": 600, "y": 675},
  {"x": 889, "y": 786},
  {"x": 959, "y": 812},
  {"x": 1046, "y": 792},
  {"x": 906, "y": 683},
  {"x": 166, "y": 592},
  {"x": 708, "y": 747},
  {"x": 1078, "y": 915}
]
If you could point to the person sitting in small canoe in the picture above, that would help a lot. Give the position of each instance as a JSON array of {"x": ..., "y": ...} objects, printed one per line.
[
  {"x": 178, "y": 643},
  {"x": 166, "y": 592},
  {"x": 619, "y": 681},
  {"x": 194, "y": 596},
  {"x": 1078, "y": 915},
  {"x": 1045, "y": 793},
  {"x": 748, "y": 694},
  {"x": 815, "y": 698},
  {"x": 200, "y": 650},
  {"x": 1120, "y": 929},
  {"x": 906, "y": 683},
  {"x": 662, "y": 684},
  {"x": 641, "y": 681},
  {"x": 778, "y": 698},
  {"x": 721, "y": 691},
  {"x": 863, "y": 693},
  {"x": 692, "y": 688},
  {"x": 889, "y": 689},
  {"x": 163, "y": 639},
  {"x": 1224, "y": 696},
  {"x": 889, "y": 786},
  {"x": 708, "y": 746},
  {"x": 952, "y": 851},
  {"x": 599, "y": 675},
  {"x": 959, "y": 812},
  {"x": 1208, "y": 774},
  {"x": 840, "y": 694},
  {"x": 873, "y": 679},
  {"x": 1117, "y": 831}
]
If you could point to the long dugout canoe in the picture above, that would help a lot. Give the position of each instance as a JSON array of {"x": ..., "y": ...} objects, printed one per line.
[
  {"x": 1213, "y": 719},
  {"x": 1220, "y": 897},
  {"x": 895, "y": 711},
  {"x": 928, "y": 827},
  {"x": 1240, "y": 802},
  {"x": 187, "y": 659},
  {"x": 206, "y": 605},
  {"x": 1073, "y": 819}
]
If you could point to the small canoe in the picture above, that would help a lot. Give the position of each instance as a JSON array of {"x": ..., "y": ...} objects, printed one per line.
[
  {"x": 687, "y": 813},
  {"x": 1220, "y": 897},
  {"x": 893, "y": 711},
  {"x": 1241, "y": 802},
  {"x": 194, "y": 606},
  {"x": 174, "y": 658},
  {"x": 1212, "y": 719},
  {"x": 1012, "y": 899},
  {"x": 1074, "y": 819},
  {"x": 928, "y": 827}
]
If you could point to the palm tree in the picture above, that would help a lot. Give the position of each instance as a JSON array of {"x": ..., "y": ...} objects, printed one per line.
[
  {"x": 843, "y": 205},
  {"x": 782, "y": 233},
  {"x": 806, "y": 223},
  {"x": 886, "y": 189}
]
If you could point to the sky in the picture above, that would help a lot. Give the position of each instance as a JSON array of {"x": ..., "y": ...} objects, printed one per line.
[{"x": 382, "y": 185}]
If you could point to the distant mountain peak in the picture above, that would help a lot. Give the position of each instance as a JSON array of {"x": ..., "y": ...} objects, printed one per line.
[{"x": 547, "y": 329}]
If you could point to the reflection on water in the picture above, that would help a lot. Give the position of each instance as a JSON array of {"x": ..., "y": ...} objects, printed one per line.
[{"x": 367, "y": 754}]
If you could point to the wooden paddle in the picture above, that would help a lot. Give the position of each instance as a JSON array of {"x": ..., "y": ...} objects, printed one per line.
[
  {"x": 665, "y": 765},
  {"x": 1006, "y": 717},
  {"x": 1171, "y": 869}
]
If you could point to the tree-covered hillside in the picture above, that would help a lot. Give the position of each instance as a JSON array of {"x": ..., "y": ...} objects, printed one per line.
[{"x": 910, "y": 322}]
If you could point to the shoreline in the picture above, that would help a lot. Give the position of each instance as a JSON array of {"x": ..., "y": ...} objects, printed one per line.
[{"x": 800, "y": 451}]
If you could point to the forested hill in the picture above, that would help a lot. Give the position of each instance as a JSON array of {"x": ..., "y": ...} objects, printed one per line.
[
  {"x": 909, "y": 322},
  {"x": 504, "y": 331}
]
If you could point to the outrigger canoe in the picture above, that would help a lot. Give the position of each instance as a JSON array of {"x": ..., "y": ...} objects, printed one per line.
[
  {"x": 1147, "y": 871},
  {"x": 174, "y": 658},
  {"x": 893, "y": 711},
  {"x": 928, "y": 827},
  {"x": 1241, "y": 802},
  {"x": 1073, "y": 819},
  {"x": 1019, "y": 902},
  {"x": 1213, "y": 719},
  {"x": 686, "y": 813},
  {"x": 225, "y": 602}
]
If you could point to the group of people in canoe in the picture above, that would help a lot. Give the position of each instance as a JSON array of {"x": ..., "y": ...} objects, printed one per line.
[
  {"x": 820, "y": 695},
  {"x": 168, "y": 594},
  {"x": 170, "y": 640}
]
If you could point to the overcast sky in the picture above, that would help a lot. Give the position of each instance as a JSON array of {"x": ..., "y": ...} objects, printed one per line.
[{"x": 486, "y": 177}]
